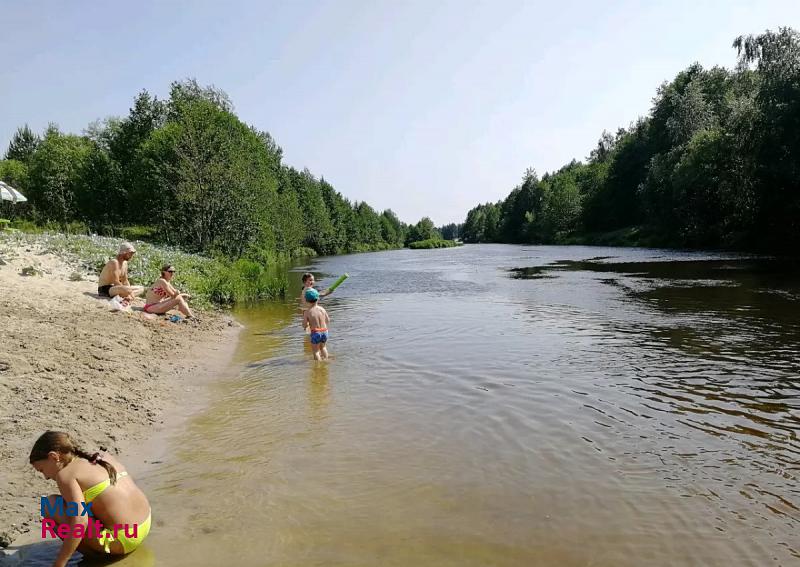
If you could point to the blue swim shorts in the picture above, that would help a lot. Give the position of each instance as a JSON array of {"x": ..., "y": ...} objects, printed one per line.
[{"x": 319, "y": 337}]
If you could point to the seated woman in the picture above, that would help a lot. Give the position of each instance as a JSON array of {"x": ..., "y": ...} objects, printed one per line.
[
  {"x": 97, "y": 483},
  {"x": 162, "y": 297}
]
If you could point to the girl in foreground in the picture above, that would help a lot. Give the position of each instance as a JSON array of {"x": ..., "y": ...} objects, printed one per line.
[{"x": 102, "y": 485}]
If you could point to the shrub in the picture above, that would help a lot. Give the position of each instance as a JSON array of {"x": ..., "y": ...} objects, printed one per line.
[
  {"x": 433, "y": 243},
  {"x": 138, "y": 232}
]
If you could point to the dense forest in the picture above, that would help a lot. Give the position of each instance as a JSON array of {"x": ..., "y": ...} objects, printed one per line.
[
  {"x": 716, "y": 163},
  {"x": 187, "y": 171}
]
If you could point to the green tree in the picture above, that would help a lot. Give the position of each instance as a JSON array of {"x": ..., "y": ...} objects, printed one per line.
[
  {"x": 124, "y": 139},
  {"x": 213, "y": 181},
  {"x": 23, "y": 145},
  {"x": 525, "y": 200},
  {"x": 56, "y": 175},
  {"x": 451, "y": 231},
  {"x": 561, "y": 205},
  {"x": 473, "y": 225},
  {"x": 183, "y": 94},
  {"x": 776, "y": 134},
  {"x": 615, "y": 203},
  {"x": 392, "y": 231},
  {"x": 15, "y": 173},
  {"x": 341, "y": 214},
  {"x": 491, "y": 222},
  {"x": 318, "y": 227},
  {"x": 369, "y": 225},
  {"x": 423, "y": 230},
  {"x": 99, "y": 198}
]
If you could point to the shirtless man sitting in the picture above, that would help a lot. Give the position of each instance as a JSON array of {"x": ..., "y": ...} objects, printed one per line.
[{"x": 114, "y": 277}]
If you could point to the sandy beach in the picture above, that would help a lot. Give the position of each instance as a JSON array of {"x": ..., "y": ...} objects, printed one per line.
[{"x": 67, "y": 362}]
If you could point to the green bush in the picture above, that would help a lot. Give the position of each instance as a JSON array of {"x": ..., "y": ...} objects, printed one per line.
[
  {"x": 433, "y": 243},
  {"x": 303, "y": 252},
  {"x": 74, "y": 227},
  {"x": 138, "y": 232},
  {"x": 26, "y": 226},
  {"x": 361, "y": 247},
  {"x": 224, "y": 282}
]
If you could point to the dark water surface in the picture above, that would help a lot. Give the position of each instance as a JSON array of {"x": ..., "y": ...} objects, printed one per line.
[{"x": 503, "y": 405}]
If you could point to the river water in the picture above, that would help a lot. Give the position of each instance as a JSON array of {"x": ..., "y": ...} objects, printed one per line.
[{"x": 502, "y": 405}]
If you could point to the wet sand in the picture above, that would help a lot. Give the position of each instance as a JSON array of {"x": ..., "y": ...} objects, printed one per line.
[{"x": 111, "y": 379}]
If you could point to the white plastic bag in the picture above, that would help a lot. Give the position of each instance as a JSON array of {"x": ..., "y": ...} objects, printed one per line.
[{"x": 116, "y": 303}]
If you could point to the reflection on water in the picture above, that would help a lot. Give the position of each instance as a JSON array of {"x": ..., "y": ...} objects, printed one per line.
[
  {"x": 501, "y": 405},
  {"x": 42, "y": 554},
  {"x": 319, "y": 390}
]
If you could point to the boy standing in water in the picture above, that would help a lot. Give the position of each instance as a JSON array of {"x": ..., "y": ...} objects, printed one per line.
[{"x": 317, "y": 319}]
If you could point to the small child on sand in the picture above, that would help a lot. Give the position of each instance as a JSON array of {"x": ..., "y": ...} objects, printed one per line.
[{"x": 317, "y": 319}]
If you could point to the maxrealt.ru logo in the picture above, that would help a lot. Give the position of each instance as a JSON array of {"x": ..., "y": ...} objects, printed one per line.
[{"x": 93, "y": 528}]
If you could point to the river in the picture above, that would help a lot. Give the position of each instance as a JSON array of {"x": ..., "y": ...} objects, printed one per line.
[{"x": 502, "y": 405}]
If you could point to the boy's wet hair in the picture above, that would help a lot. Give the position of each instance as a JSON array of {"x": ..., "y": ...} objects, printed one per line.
[{"x": 306, "y": 276}]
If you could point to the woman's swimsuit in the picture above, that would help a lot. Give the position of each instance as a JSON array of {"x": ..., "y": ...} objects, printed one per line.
[
  {"x": 161, "y": 292},
  {"x": 107, "y": 535}
]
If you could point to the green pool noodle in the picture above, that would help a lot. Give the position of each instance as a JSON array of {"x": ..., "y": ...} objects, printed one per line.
[{"x": 338, "y": 282}]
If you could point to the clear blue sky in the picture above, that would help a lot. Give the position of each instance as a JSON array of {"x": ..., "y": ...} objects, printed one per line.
[{"x": 425, "y": 107}]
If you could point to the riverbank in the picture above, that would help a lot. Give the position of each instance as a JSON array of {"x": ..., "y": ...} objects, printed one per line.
[
  {"x": 642, "y": 236},
  {"x": 216, "y": 281},
  {"x": 111, "y": 379},
  {"x": 629, "y": 237}
]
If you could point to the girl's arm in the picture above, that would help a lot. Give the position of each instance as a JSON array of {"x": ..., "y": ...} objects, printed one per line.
[{"x": 71, "y": 492}]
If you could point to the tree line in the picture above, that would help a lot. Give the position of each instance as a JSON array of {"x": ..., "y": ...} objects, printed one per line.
[
  {"x": 715, "y": 163},
  {"x": 187, "y": 171}
]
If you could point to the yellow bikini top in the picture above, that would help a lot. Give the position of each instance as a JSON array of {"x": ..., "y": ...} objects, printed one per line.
[{"x": 94, "y": 491}]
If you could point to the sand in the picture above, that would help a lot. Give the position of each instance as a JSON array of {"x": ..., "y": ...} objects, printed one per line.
[{"x": 67, "y": 362}]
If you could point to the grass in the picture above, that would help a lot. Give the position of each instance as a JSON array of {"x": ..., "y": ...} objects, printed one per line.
[{"x": 211, "y": 281}]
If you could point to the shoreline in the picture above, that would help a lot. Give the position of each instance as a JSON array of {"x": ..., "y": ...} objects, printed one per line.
[{"x": 112, "y": 379}]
